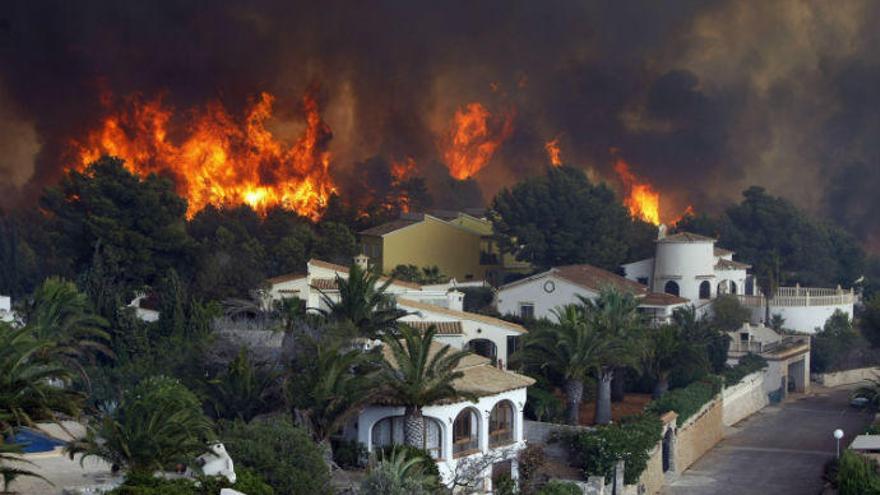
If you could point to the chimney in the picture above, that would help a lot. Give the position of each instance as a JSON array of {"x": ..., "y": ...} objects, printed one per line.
[
  {"x": 455, "y": 300},
  {"x": 363, "y": 261},
  {"x": 661, "y": 231}
]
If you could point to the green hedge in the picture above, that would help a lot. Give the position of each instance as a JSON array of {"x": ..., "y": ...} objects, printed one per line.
[
  {"x": 688, "y": 400},
  {"x": 857, "y": 475},
  {"x": 747, "y": 365},
  {"x": 597, "y": 451}
]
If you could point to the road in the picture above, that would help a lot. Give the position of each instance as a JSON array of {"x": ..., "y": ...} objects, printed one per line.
[{"x": 780, "y": 450}]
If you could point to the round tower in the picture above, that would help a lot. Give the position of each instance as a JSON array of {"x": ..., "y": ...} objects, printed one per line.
[{"x": 685, "y": 266}]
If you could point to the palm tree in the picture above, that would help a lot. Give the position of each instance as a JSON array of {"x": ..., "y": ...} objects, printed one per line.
[
  {"x": 62, "y": 315},
  {"x": 9, "y": 472},
  {"x": 399, "y": 474},
  {"x": 158, "y": 423},
  {"x": 668, "y": 347},
  {"x": 364, "y": 302},
  {"x": 327, "y": 383},
  {"x": 28, "y": 393},
  {"x": 572, "y": 349},
  {"x": 614, "y": 315},
  {"x": 415, "y": 374},
  {"x": 244, "y": 389}
]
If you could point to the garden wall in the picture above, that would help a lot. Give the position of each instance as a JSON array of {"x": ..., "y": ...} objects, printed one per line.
[
  {"x": 744, "y": 399},
  {"x": 846, "y": 377},
  {"x": 699, "y": 434}
]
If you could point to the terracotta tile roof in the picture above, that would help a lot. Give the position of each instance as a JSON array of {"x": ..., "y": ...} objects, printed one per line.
[
  {"x": 480, "y": 378},
  {"x": 285, "y": 278},
  {"x": 389, "y": 227},
  {"x": 443, "y": 327},
  {"x": 461, "y": 314},
  {"x": 731, "y": 265},
  {"x": 596, "y": 279},
  {"x": 661, "y": 299},
  {"x": 344, "y": 269},
  {"x": 686, "y": 237},
  {"x": 722, "y": 252}
]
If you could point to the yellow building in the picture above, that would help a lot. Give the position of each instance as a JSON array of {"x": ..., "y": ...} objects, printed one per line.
[{"x": 460, "y": 245}]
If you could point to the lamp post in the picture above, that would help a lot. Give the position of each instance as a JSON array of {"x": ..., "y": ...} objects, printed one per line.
[{"x": 838, "y": 434}]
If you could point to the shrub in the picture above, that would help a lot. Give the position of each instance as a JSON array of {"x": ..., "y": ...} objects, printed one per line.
[
  {"x": 146, "y": 484},
  {"x": 428, "y": 464},
  {"x": 531, "y": 459},
  {"x": 280, "y": 452},
  {"x": 688, "y": 400},
  {"x": 597, "y": 451},
  {"x": 857, "y": 475},
  {"x": 831, "y": 344},
  {"x": 349, "y": 454},
  {"x": 557, "y": 487},
  {"x": 747, "y": 365},
  {"x": 398, "y": 474}
]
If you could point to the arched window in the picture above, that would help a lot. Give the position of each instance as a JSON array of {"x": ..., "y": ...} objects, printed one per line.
[
  {"x": 705, "y": 290},
  {"x": 750, "y": 286},
  {"x": 483, "y": 347},
  {"x": 732, "y": 287},
  {"x": 465, "y": 433},
  {"x": 501, "y": 424},
  {"x": 671, "y": 288},
  {"x": 389, "y": 431}
]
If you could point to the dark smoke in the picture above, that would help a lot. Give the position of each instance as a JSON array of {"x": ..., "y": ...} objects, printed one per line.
[{"x": 702, "y": 98}]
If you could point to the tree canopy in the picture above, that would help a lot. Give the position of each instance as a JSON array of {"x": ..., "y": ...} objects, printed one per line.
[{"x": 562, "y": 218}]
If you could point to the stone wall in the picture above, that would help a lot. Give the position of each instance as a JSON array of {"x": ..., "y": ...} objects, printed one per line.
[
  {"x": 846, "y": 377},
  {"x": 744, "y": 399},
  {"x": 652, "y": 479},
  {"x": 699, "y": 434}
]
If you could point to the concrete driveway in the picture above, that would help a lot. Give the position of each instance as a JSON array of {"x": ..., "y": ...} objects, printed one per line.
[{"x": 780, "y": 450}]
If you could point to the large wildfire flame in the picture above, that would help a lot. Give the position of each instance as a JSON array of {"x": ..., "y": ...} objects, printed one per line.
[
  {"x": 553, "y": 152},
  {"x": 220, "y": 161},
  {"x": 641, "y": 199},
  {"x": 473, "y": 137}
]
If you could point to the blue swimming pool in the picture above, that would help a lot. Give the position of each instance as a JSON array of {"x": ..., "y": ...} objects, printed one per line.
[{"x": 32, "y": 441}]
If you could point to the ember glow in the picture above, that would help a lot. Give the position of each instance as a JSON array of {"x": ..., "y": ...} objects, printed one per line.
[
  {"x": 219, "y": 161},
  {"x": 553, "y": 152},
  {"x": 401, "y": 171},
  {"x": 472, "y": 138},
  {"x": 641, "y": 199}
]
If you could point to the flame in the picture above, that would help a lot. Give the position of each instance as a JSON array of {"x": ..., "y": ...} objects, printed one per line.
[
  {"x": 641, "y": 199},
  {"x": 402, "y": 171},
  {"x": 688, "y": 212},
  {"x": 553, "y": 152},
  {"x": 220, "y": 161},
  {"x": 470, "y": 143}
]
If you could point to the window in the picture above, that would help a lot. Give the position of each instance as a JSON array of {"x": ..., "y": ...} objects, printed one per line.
[
  {"x": 671, "y": 288},
  {"x": 527, "y": 311},
  {"x": 705, "y": 290},
  {"x": 465, "y": 434},
  {"x": 389, "y": 431},
  {"x": 501, "y": 424}
]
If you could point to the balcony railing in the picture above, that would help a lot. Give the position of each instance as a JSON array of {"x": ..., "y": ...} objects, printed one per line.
[
  {"x": 501, "y": 437},
  {"x": 465, "y": 446},
  {"x": 743, "y": 346},
  {"x": 802, "y": 297}
]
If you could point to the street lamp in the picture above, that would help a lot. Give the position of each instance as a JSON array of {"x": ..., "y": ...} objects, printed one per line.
[{"x": 838, "y": 434}]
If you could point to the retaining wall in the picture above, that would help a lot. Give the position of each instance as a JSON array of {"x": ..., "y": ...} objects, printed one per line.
[
  {"x": 846, "y": 377},
  {"x": 699, "y": 434},
  {"x": 743, "y": 399}
]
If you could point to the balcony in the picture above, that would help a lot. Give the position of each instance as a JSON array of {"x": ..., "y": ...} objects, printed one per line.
[
  {"x": 465, "y": 446},
  {"x": 801, "y": 297}
]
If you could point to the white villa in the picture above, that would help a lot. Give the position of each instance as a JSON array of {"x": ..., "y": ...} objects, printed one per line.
[
  {"x": 538, "y": 295},
  {"x": 691, "y": 266},
  {"x": 486, "y": 434}
]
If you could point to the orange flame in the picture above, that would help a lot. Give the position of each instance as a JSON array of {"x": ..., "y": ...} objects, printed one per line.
[
  {"x": 470, "y": 143},
  {"x": 220, "y": 161},
  {"x": 400, "y": 172},
  {"x": 641, "y": 199},
  {"x": 553, "y": 152}
]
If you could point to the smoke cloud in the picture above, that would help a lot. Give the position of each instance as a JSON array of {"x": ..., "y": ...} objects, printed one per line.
[{"x": 701, "y": 98}]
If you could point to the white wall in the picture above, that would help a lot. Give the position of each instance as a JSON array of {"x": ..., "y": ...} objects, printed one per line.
[
  {"x": 744, "y": 399},
  {"x": 445, "y": 415},
  {"x": 808, "y": 318},
  {"x": 6, "y": 309},
  {"x": 683, "y": 262},
  {"x": 508, "y": 298},
  {"x": 640, "y": 269}
]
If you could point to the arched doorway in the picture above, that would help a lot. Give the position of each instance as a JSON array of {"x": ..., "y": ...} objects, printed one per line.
[
  {"x": 733, "y": 287},
  {"x": 484, "y": 347},
  {"x": 705, "y": 290},
  {"x": 671, "y": 287},
  {"x": 668, "y": 450},
  {"x": 465, "y": 433},
  {"x": 389, "y": 431}
]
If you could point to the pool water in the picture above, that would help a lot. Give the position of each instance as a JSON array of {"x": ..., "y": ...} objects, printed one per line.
[{"x": 32, "y": 441}]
